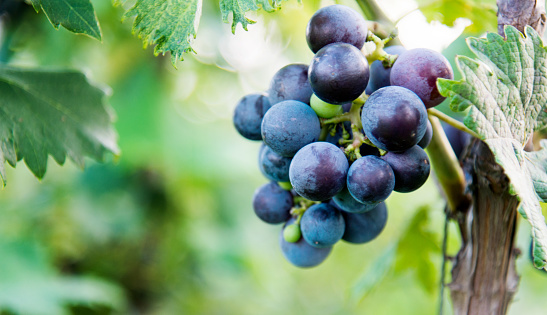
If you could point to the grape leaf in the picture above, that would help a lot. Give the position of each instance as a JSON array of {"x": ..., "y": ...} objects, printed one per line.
[
  {"x": 238, "y": 8},
  {"x": 506, "y": 90},
  {"x": 169, "y": 24},
  {"x": 55, "y": 113},
  {"x": 481, "y": 13},
  {"x": 537, "y": 165},
  {"x": 413, "y": 252},
  {"x": 418, "y": 238},
  {"x": 77, "y": 16}
]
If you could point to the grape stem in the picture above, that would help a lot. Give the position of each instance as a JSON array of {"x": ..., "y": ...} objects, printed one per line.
[
  {"x": 325, "y": 128},
  {"x": 303, "y": 205},
  {"x": 379, "y": 53},
  {"x": 373, "y": 12},
  {"x": 447, "y": 168},
  {"x": 337, "y": 119},
  {"x": 452, "y": 122},
  {"x": 353, "y": 116}
]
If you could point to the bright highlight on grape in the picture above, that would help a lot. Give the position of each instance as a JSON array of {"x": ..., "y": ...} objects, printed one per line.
[{"x": 339, "y": 136}]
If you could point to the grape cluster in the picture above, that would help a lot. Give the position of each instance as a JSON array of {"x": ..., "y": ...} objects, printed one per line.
[{"x": 339, "y": 136}]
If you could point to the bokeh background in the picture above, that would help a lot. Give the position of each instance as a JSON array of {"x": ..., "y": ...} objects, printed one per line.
[{"x": 168, "y": 227}]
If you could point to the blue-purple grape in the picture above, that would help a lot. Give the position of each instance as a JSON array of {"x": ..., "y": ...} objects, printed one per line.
[
  {"x": 345, "y": 201},
  {"x": 272, "y": 204},
  {"x": 336, "y": 23},
  {"x": 322, "y": 225},
  {"x": 394, "y": 118},
  {"x": 364, "y": 227},
  {"x": 411, "y": 168},
  {"x": 370, "y": 179},
  {"x": 318, "y": 171},
  {"x": 338, "y": 73},
  {"x": 248, "y": 115},
  {"x": 380, "y": 75},
  {"x": 300, "y": 253},
  {"x": 426, "y": 139},
  {"x": 288, "y": 126},
  {"x": 274, "y": 166},
  {"x": 290, "y": 83},
  {"x": 418, "y": 70}
]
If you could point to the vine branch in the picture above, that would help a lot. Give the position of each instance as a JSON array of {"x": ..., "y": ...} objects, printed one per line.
[{"x": 452, "y": 122}]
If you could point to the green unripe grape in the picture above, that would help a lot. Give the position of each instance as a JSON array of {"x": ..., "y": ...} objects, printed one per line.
[
  {"x": 292, "y": 233},
  {"x": 285, "y": 185},
  {"x": 324, "y": 109}
]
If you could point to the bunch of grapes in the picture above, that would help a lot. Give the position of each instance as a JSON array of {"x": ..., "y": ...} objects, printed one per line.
[{"x": 339, "y": 136}]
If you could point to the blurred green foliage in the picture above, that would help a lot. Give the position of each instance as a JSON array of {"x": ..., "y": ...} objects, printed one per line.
[
  {"x": 481, "y": 13},
  {"x": 169, "y": 228}
]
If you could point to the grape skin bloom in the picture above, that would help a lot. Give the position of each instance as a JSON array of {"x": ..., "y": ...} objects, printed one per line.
[
  {"x": 318, "y": 171},
  {"x": 333, "y": 24},
  {"x": 338, "y": 73},
  {"x": 394, "y": 118},
  {"x": 288, "y": 126},
  {"x": 418, "y": 70}
]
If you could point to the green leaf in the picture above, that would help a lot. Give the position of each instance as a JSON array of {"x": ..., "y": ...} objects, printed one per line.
[
  {"x": 238, "y": 8},
  {"x": 537, "y": 165},
  {"x": 57, "y": 113},
  {"x": 416, "y": 249},
  {"x": 414, "y": 252},
  {"x": 506, "y": 90},
  {"x": 168, "y": 24},
  {"x": 77, "y": 16},
  {"x": 481, "y": 13}
]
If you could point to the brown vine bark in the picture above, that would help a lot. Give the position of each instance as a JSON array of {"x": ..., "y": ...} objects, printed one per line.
[{"x": 484, "y": 278}]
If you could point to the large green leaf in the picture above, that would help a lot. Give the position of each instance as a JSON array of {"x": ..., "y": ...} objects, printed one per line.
[
  {"x": 537, "y": 165},
  {"x": 77, "y": 16},
  {"x": 169, "y": 24},
  {"x": 55, "y": 113},
  {"x": 238, "y": 8},
  {"x": 481, "y": 13},
  {"x": 506, "y": 90}
]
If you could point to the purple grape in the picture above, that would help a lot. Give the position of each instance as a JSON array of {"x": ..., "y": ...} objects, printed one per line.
[
  {"x": 272, "y": 204},
  {"x": 318, "y": 171},
  {"x": 380, "y": 75},
  {"x": 322, "y": 225},
  {"x": 394, "y": 118},
  {"x": 302, "y": 254},
  {"x": 338, "y": 73},
  {"x": 274, "y": 166},
  {"x": 333, "y": 24},
  {"x": 418, "y": 70},
  {"x": 370, "y": 179},
  {"x": 411, "y": 168},
  {"x": 248, "y": 115},
  {"x": 426, "y": 139},
  {"x": 288, "y": 126},
  {"x": 290, "y": 83},
  {"x": 364, "y": 227},
  {"x": 345, "y": 201}
]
